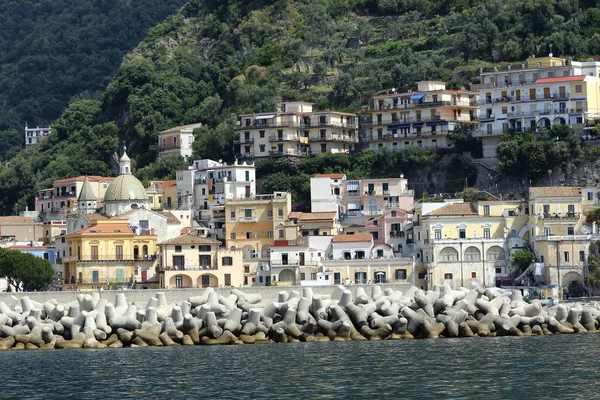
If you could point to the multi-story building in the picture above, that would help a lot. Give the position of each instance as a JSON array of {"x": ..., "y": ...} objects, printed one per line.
[
  {"x": 155, "y": 194},
  {"x": 534, "y": 95},
  {"x": 423, "y": 118},
  {"x": 107, "y": 253},
  {"x": 169, "y": 194},
  {"x": 459, "y": 243},
  {"x": 358, "y": 259},
  {"x": 296, "y": 130},
  {"x": 15, "y": 229},
  {"x": 177, "y": 140},
  {"x": 35, "y": 135},
  {"x": 315, "y": 224},
  {"x": 61, "y": 200},
  {"x": 254, "y": 223},
  {"x": 192, "y": 261}
]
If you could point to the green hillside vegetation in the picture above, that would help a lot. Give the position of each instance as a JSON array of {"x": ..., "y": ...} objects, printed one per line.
[
  {"x": 214, "y": 59},
  {"x": 51, "y": 51}
]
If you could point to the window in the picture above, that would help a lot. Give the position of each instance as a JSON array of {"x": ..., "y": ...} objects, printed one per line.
[
  {"x": 393, "y": 213},
  {"x": 590, "y": 196},
  {"x": 448, "y": 276},
  {"x": 204, "y": 247},
  {"x": 462, "y": 233},
  {"x": 270, "y": 214},
  {"x": 422, "y": 275},
  {"x": 566, "y": 256},
  {"x": 280, "y": 234},
  {"x": 375, "y": 223},
  {"x": 495, "y": 253},
  {"x": 260, "y": 279},
  {"x": 438, "y": 233},
  {"x": 118, "y": 251},
  {"x": 570, "y": 230},
  {"x": 448, "y": 254},
  {"x": 498, "y": 270},
  {"x": 375, "y": 235},
  {"x": 571, "y": 209},
  {"x": 270, "y": 234},
  {"x": 472, "y": 254},
  {"x": 542, "y": 258},
  {"x": 359, "y": 255},
  {"x": 232, "y": 215},
  {"x": 232, "y": 235},
  {"x": 227, "y": 279},
  {"x": 504, "y": 110},
  {"x": 473, "y": 275},
  {"x": 248, "y": 213},
  {"x": 400, "y": 274},
  {"x": 247, "y": 176},
  {"x": 178, "y": 249},
  {"x": 261, "y": 134},
  {"x": 262, "y": 148},
  {"x": 227, "y": 261},
  {"x": 248, "y": 235},
  {"x": 578, "y": 88},
  {"x": 280, "y": 213},
  {"x": 582, "y": 256},
  {"x": 379, "y": 253},
  {"x": 46, "y": 256},
  {"x": 486, "y": 210}
]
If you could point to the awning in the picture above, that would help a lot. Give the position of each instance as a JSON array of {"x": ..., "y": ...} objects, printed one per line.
[
  {"x": 431, "y": 123},
  {"x": 352, "y": 185},
  {"x": 267, "y": 116},
  {"x": 417, "y": 96},
  {"x": 417, "y": 124},
  {"x": 353, "y": 206},
  {"x": 443, "y": 122},
  {"x": 392, "y": 127}
]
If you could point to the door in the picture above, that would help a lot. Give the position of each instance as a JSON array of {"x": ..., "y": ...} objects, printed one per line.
[
  {"x": 518, "y": 95},
  {"x": 95, "y": 277},
  {"x": 179, "y": 281},
  {"x": 562, "y": 92},
  {"x": 144, "y": 276},
  {"x": 546, "y": 92},
  {"x": 360, "y": 277},
  {"x": 337, "y": 278},
  {"x": 247, "y": 193},
  {"x": 302, "y": 258},
  {"x": 119, "y": 252},
  {"x": 531, "y": 94},
  {"x": 178, "y": 262},
  {"x": 284, "y": 259},
  {"x": 136, "y": 252},
  {"x": 379, "y": 277},
  {"x": 120, "y": 276},
  {"x": 94, "y": 253},
  {"x": 205, "y": 281}
]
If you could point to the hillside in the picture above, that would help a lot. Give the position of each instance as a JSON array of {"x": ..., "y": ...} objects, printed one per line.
[
  {"x": 213, "y": 59},
  {"x": 51, "y": 51}
]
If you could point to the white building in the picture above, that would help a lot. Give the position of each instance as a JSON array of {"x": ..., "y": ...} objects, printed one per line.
[
  {"x": 35, "y": 135},
  {"x": 177, "y": 140},
  {"x": 326, "y": 192}
]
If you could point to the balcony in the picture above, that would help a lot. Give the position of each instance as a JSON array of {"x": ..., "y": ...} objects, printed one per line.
[
  {"x": 169, "y": 146},
  {"x": 111, "y": 258},
  {"x": 244, "y": 141},
  {"x": 283, "y": 138},
  {"x": 162, "y": 268},
  {"x": 423, "y": 104},
  {"x": 569, "y": 215},
  {"x": 333, "y": 138},
  {"x": 247, "y": 219}
]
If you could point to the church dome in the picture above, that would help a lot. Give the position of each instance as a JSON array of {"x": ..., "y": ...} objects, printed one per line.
[{"x": 125, "y": 187}]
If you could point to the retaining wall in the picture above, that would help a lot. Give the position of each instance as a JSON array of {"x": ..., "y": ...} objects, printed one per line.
[{"x": 179, "y": 295}]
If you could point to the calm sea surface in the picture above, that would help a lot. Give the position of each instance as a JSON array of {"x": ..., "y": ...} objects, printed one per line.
[{"x": 549, "y": 367}]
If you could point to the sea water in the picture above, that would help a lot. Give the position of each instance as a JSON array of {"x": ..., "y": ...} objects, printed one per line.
[{"x": 548, "y": 367}]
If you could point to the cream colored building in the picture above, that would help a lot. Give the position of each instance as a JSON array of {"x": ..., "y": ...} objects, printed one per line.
[
  {"x": 297, "y": 130},
  {"x": 423, "y": 118},
  {"x": 20, "y": 229},
  {"x": 177, "y": 140},
  {"x": 191, "y": 261},
  {"x": 107, "y": 253},
  {"x": 536, "y": 94}
]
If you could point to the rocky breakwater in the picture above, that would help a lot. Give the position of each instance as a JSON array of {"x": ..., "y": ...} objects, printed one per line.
[{"x": 210, "y": 319}]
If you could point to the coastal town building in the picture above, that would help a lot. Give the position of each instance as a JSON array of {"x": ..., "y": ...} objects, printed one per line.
[
  {"x": 177, "y": 140},
  {"x": 155, "y": 192},
  {"x": 296, "y": 129},
  {"x": 424, "y": 118},
  {"x": 534, "y": 95},
  {"x": 108, "y": 253},
  {"x": 14, "y": 229},
  {"x": 57, "y": 202},
  {"x": 193, "y": 261},
  {"x": 36, "y": 135},
  {"x": 125, "y": 192}
]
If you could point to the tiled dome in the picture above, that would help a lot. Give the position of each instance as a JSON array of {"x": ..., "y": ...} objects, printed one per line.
[{"x": 125, "y": 188}]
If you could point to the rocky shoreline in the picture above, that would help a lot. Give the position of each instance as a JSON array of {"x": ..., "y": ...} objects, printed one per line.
[{"x": 244, "y": 318}]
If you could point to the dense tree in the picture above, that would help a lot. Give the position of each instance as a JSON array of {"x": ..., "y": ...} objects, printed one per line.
[
  {"x": 521, "y": 260},
  {"x": 25, "y": 271}
]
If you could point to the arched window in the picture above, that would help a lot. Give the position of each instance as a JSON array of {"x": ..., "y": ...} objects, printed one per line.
[
  {"x": 513, "y": 233},
  {"x": 448, "y": 254},
  {"x": 495, "y": 253},
  {"x": 472, "y": 254}
]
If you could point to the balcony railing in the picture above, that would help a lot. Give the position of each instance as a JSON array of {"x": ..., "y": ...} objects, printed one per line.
[
  {"x": 423, "y": 104},
  {"x": 333, "y": 138},
  {"x": 283, "y": 138},
  {"x": 169, "y": 146},
  {"x": 247, "y": 219},
  {"x": 569, "y": 215},
  {"x": 187, "y": 268},
  {"x": 283, "y": 124},
  {"x": 244, "y": 141},
  {"x": 110, "y": 257}
]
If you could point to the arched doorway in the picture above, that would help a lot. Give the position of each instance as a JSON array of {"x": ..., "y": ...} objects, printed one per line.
[
  {"x": 380, "y": 276},
  {"x": 248, "y": 251},
  {"x": 145, "y": 251},
  {"x": 360, "y": 276},
  {"x": 180, "y": 281},
  {"x": 208, "y": 280},
  {"x": 136, "y": 252},
  {"x": 265, "y": 251},
  {"x": 287, "y": 275}
]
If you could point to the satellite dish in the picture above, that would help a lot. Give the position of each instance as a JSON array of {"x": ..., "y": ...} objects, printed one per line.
[{"x": 238, "y": 123}]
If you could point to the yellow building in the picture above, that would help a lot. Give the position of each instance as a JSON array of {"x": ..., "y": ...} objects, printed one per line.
[
  {"x": 154, "y": 192},
  {"x": 459, "y": 243},
  {"x": 169, "y": 194},
  {"x": 252, "y": 224},
  {"x": 422, "y": 118},
  {"x": 315, "y": 224},
  {"x": 192, "y": 261},
  {"x": 108, "y": 252}
]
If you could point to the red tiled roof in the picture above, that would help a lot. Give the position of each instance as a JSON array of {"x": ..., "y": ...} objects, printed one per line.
[
  {"x": 359, "y": 237},
  {"x": 168, "y": 183},
  {"x": 331, "y": 176},
  {"x": 574, "y": 78}
]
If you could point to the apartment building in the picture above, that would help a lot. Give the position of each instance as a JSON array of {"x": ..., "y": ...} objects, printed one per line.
[
  {"x": 59, "y": 201},
  {"x": 36, "y": 135},
  {"x": 177, "y": 140},
  {"x": 296, "y": 130},
  {"x": 423, "y": 118},
  {"x": 535, "y": 95},
  {"x": 107, "y": 253},
  {"x": 459, "y": 243},
  {"x": 192, "y": 261},
  {"x": 254, "y": 223},
  {"x": 20, "y": 229},
  {"x": 358, "y": 259}
]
